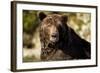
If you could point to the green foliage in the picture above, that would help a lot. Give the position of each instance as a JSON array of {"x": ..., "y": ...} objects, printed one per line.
[
  {"x": 29, "y": 59},
  {"x": 30, "y": 20}
]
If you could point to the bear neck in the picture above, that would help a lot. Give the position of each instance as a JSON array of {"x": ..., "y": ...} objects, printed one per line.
[{"x": 65, "y": 40}]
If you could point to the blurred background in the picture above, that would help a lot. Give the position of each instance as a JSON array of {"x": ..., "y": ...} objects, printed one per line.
[{"x": 80, "y": 22}]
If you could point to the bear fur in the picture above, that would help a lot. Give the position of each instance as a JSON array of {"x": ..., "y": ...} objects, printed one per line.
[{"x": 68, "y": 46}]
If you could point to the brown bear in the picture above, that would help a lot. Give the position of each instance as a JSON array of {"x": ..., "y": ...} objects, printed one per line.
[{"x": 59, "y": 41}]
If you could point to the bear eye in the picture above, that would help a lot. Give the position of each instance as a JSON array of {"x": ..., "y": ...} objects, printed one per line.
[{"x": 48, "y": 24}]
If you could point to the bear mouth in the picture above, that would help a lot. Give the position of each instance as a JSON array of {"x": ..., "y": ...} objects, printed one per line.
[{"x": 54, "y": 38}]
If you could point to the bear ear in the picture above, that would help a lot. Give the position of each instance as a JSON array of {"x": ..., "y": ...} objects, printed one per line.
[
  {"x": 42, "y": 16},
  {"x": 64, "y": 18}
]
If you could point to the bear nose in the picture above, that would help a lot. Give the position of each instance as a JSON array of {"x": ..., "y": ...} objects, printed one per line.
[{"x": 54, "y": 35}]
